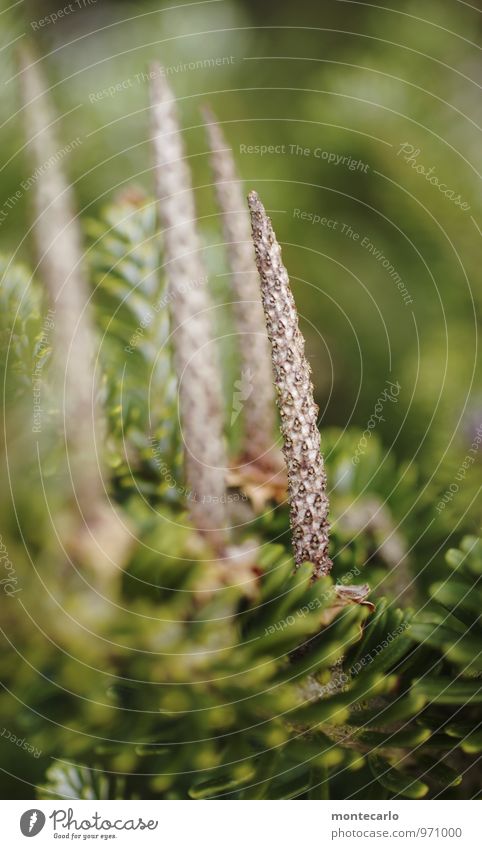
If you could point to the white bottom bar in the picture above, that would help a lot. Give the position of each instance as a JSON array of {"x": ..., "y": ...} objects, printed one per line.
[{"x": 229, "y": 825}]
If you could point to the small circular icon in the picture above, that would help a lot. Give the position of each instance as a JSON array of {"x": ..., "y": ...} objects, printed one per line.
[{"x": 32, "y": 822}]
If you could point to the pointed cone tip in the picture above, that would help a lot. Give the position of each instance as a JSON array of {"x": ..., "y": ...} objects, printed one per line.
[
  {"x": 159, "y": 88},
  {"x": 207, "y": 114},
  {"x": 155, "y": 67},
  {"x": 28, "y": 62},
  {"x": 254, "y": 201},
  {"x": 25, "y": 53}
]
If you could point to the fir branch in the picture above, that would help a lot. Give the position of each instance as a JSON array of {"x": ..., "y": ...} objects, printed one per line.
[
  {"x": 306, "y": 472},
  {"x": 259, "y": 406},
  {"x": 200, "y": 391}
]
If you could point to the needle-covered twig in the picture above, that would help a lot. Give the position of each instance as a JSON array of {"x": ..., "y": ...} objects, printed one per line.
[
  {"x": 306, "y": 473},
  {"x": 200, "y": 390},
  {"x": 259, "y": 412}
]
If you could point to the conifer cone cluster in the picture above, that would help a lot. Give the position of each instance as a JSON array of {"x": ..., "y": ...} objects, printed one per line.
[{"x": 306, "y": 473}]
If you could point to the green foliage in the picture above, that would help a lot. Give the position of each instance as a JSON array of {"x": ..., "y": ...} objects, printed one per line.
[
  {"x": 131, "y": 307},
  {"x": 20, "y": 328},
  {"x": 185, "y": 681},
  {"x": 197, "y": 683}
]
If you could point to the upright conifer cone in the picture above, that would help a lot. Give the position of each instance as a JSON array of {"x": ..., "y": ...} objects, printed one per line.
[
  {"x": 306, "y": 473},
  {"x": 59, "y": 249},
  {"x": 102, "y": 540},
  {"x": 259, "y": 407},
  {"x": 200, "y": 391}
]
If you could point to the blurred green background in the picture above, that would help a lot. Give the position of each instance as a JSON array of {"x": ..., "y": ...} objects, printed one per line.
[
  {"x": 315, "y": 81},
  {"x": 346, "y": 117}
]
